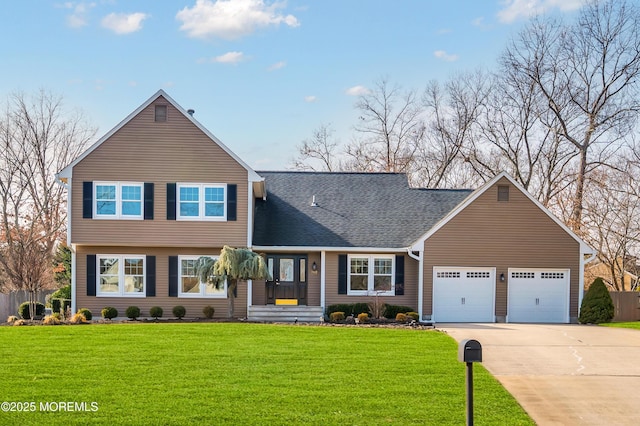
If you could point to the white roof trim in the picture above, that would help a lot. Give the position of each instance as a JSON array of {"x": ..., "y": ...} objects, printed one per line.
[
  {"x": 291, "y": 249},
  {"x": 68, "y": 170},
  {"x": 419, "y": 244}
]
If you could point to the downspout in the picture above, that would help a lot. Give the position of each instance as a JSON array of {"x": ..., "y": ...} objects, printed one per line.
[
  {"x": 73, "y": 280},
  {"x": 583, "y": 262},
  {"x": 420, "y": 280},
  {"x": 67, "y": 186}
]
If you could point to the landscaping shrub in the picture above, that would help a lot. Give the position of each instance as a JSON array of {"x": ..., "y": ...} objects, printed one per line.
[
  {"x": 57, "y": 316},
  {"x": 23, "y": 310},
  {"x": 391, "y": 311},
  {"x": 363, "y": 318},
  {"x": 51, "y": 320},
  {"x": 155, "y": 312},
  {"x": 87, "y": 313},
  {"x": 359, "y": 308},
  {"x": 208, "y": 311},
  {"x": 597, "y": 306},
  {"x": 336, "y": 316},
  {"x": 414, "y": 316},
  {"x": 12, "y": 319},
  {"x": 78, "y": 319},
  {"x": 109, "y": 313},
  {"x": 179, "y": 311},
  {"x": 19, "y": 322},
  {"x": 401, "y": 318},
  {"x": 61, "y": 293},
  {"x": 346, "y": 309},
  {"x": 132, "y": 312}
]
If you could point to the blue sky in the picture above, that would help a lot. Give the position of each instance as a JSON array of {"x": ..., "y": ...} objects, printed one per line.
[{"x": 261, "y": 75}]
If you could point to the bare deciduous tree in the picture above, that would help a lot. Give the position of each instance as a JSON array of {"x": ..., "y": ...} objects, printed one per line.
[
  {"x": 38, "y": 138},
  {"x": 587, "y": 75},
  {"x": 389, "y": 130},
  {"x": 320, "y": 152},
  {"x": 612, "y": 220}
]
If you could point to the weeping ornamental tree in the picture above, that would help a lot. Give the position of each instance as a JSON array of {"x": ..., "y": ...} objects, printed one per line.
[{"x": 234, "y": 264}]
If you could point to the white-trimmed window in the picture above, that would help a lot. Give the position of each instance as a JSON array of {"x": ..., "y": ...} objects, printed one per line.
[
  {"x": 189, "y": 285},
  {"x": 118, "y": 200},
  {"x": 121, "y": 275},
  {"x": 371, "y": 275},
  {"x": 200, "y": 201}
]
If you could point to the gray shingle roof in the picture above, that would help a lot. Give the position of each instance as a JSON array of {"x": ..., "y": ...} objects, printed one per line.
[{"x": 354, "y": 210}]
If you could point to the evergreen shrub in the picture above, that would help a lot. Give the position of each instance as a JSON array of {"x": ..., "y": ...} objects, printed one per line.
[{"x": 597, "y": 306}]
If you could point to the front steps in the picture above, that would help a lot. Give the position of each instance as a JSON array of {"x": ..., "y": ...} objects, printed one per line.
[{"x": 285, "y": 313}]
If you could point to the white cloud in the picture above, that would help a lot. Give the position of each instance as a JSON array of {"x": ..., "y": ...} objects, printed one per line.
[
  {"x": 357, "y": 91},
  {"x": 231, "y": 19},
  {"x": 441, "y": 54},
  {"x": 517, "y": 9},
  {"x": 78, "y": 17},
  {"x": 229, "y": 58},
  {"x": 310, "y": 98},
  {"x": 122, "y": 23},
  {"x": 277, "y": 66}
]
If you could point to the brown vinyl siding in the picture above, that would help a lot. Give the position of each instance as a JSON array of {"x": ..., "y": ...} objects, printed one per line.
[
  {"x": 505, "y": 234},
  {"x": 193, "y": 305},
  {"x": 144, "y": 150},
  {"x": 410, "y": 297}
]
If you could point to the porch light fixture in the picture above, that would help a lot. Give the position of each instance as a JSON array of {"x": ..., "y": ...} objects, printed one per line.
[
  {"x": 502, "y": 277},
  {"x": 314, "y": 267}
]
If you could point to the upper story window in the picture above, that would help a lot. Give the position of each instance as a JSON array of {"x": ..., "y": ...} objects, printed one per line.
[
  {"x": 118, "y": 200},
  {"x": 201, "y": 201},
  {"x": 371, "y": 275},
  {"x": 189, "y": 284},
  {"x": 121, "y": 275}
]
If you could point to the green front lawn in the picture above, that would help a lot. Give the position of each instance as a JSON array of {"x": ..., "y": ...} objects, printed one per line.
[
  {"x": 226, "y": 373},
  {"x": 634, "y": 324}
]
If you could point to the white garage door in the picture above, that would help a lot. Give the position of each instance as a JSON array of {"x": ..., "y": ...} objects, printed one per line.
[
  {"x": 463, "y": 294},
  {"x": 538, "y": 295}
]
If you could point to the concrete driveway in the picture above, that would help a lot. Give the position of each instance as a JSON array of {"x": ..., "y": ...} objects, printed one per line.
[{"x": 563, "y": 374}]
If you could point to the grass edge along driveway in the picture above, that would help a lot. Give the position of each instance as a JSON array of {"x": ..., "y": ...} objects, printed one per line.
[
  {"x": 631, "y": 324},
  {"x": 227, "y": 373}
]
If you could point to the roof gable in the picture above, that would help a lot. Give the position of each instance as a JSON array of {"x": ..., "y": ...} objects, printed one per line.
[
  {"x": 419, "y": 243},
  {"x": 67, "y": 172}
]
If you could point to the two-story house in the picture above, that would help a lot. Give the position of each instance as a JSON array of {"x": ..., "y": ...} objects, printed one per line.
[{"x": 159, "y": 190}]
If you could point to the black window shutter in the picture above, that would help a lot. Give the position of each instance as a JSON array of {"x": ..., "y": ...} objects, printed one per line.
[
  {"x": 151, "y": 276},
  {"x": 342, "y": 274},
  {"x": 400, "y": 275},
  {"x": 148, "y": 201},
  {"x": 87, "y": 200},
  {"x": 91, "y": 275},
  {"x": 173, "y": 276},
  {"x": 171, "y": 201},
  {"x": 232, "y": 201}
]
